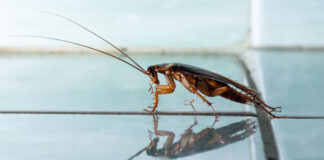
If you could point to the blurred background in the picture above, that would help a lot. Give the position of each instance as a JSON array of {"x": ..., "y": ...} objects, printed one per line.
[{"x": 281, "y": 43}]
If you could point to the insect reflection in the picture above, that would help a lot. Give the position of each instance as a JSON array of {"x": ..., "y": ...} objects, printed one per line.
[{"x": 191, "y": 143}]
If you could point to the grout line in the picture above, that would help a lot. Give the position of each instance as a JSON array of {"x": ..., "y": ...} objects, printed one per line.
[
  {"x": 289, "y": 48},
  {"x": 228, "y": 114},
  {"x": 300, "y": 117},
  {"x": 234, "y": 114},
  {"x": 268, "y": 137}
]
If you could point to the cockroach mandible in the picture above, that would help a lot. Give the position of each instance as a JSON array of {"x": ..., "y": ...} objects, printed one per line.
[{"x": 197, "y": 80}]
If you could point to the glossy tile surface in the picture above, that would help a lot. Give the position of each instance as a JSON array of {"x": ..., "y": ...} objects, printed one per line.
[
  {"x": 294, "y": 80},
  {"x": 101, "y": 137},
  {"x": 300, "y": 139},
  {"x": 95, "y": 82},
  {"x": 99, "y": 83}
]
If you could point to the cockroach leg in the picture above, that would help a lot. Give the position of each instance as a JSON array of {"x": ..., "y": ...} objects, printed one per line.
[
  {"x": 193, "y": 107},
  {"x": 194, "y": 90},
  {"x": 277, "y": 109},
  {"x": 269, "y": 113},
  {"x": 216, "y": 92},
  {"x": 210, "y": 104},
  {"x": 187, "y": 102},
  {"x": 162, "y": 89},
  {"x": 151, "y": 88},
  {"x": 272, "y": 109}
]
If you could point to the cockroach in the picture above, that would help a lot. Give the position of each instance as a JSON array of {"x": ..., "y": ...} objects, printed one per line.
[{"x": 196, "y": 80}]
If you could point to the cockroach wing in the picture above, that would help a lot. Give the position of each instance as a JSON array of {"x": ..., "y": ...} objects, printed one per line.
[{"x": 192, "y": 70}]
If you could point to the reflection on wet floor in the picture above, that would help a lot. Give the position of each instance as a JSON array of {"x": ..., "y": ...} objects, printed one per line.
[
  {"x": 300, "y": 90},
  {"x": 191, "y": 143},
  {"x": 77, "y": 137}
]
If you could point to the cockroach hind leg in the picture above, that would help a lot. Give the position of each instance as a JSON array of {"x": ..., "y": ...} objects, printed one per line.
[
  {"x": 276, "y": 109},
  {"x": 216, "y": 118},
  {"x": 215, "y": 114}
]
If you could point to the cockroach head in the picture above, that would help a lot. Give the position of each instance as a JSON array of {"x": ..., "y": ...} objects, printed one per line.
[{"x": 153, "y": 74}]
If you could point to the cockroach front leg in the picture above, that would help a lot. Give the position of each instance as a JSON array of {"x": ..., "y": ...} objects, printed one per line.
[
  {"x": 162, "y": 89},
  {"x": 151, "y": 88},
  {"x": 159, "y": 89}
]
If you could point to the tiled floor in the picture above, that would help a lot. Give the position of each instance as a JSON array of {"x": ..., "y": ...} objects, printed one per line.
[
  {"x": 295, "y": 81},
  {"x": 98, "y": 83},
  {"x": 100, "y": 137}
]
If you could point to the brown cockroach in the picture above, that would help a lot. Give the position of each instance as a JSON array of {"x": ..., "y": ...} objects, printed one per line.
[{"x": 197, "y": 80}]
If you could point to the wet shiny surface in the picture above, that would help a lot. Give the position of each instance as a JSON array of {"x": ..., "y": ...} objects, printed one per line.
[
  {"x": 295, "y": 81},
  {"x": 100, "y": 137},
  {"x": 91, "y": 82},
  {"x": 300, "y": 139}
]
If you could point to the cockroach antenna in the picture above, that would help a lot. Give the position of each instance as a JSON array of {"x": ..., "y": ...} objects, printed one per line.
[
  {"x": 95, "y": 34},
  {"x": 66, "y": 41},
  {"x": 138, "y": 153}
]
